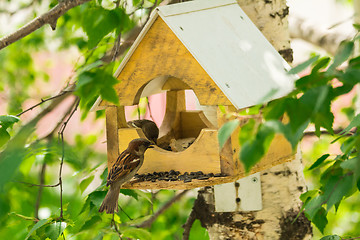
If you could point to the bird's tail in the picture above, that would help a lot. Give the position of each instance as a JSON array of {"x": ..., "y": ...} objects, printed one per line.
[{"x": 110, "y": 203}]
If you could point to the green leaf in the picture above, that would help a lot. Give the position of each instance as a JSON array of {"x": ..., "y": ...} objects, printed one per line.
[
  {"x": 354, "y": 123},
  {"x": 85, "y": 183},
  {"x": 356, "y": 26},
  {"x": 226, "y": 130},
  {"x": 313, "y": 206},
  {"x": 319, "y": 161},
  {"x": 344, "y": 52},
  {"x": 97, "y": 197},
  {"x": 275, "y": 109},
  {"x": 13, "y": 154},
  {"x": 331, "y": 237},
  {"x": 137, "y": 233},
  {"x": 97, "y": 23},
  {"x": 90, "y": 223},
  {"x": 320, "y": 220},
  {"x": 304, "y": 65},
  {"x": 38, "y": 225},
  {"x": 8, "y": 120},
  {"x": 308, "y": 195},
  {"x": 54, "y": 230},
  {"x": 4, "y": 136},
  {"x": 130, "y": 192},
  {"x": 247, "y": 131},
  {"x": 322, "y": 63},
  {"x": 336, "y": 188},
  {"x": 143, "y": 195},
  {"x": 109, "y": 94},
  {"x": 353, "y": 165},
  {"x": 252, "y": 151}
]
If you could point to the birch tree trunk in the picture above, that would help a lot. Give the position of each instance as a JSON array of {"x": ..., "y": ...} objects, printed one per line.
[{"x": 282, "y": 184}]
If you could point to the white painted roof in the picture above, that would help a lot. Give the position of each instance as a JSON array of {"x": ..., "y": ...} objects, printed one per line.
[{"x": 231, "y": 49}]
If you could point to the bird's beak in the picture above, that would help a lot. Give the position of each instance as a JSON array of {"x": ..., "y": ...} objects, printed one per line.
[{"x": 151, "y": 146}]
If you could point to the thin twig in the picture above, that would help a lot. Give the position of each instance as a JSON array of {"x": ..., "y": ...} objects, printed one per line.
[
  {"x": 167, "y": 205},
  {"x": 42, "y": 101},
  {"x": 49, "y": 137},
  {"x": 49, "y": 17},
  {"x": 323, "y": 132},
  {"x": 187, "y": 226},
  {"x": 38, "y": 185},
  {"x": 61, "y": 137},
  {"x": 42, "y": 172},
  {"x": 115, "y": 226},
  {"x": 350, "y": 238}
]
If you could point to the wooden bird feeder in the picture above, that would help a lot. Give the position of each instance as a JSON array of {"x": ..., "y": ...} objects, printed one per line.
[{"x": 212, "y": 48}]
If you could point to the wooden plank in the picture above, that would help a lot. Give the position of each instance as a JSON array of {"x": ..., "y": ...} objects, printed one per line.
[
  {"x": 111, "y": 135},
  {"x": 178, "y": 185},
  {"x": 229, "y": 163},
  {"x": 170, "y": 127},
  {"x": 173, "y": 83},
  {"x": 192, "y": 122},
  {"x": 202, "y": 155},
  {"x": 161, "y": 53}
]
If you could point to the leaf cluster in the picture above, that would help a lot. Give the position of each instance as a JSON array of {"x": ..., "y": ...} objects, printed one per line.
[{"x": 310, "y": 104}]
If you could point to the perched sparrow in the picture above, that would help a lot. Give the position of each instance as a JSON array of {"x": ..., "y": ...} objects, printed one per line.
[
  {"x": 125, "y": 167},
  {"x": 148, "y": 127}
]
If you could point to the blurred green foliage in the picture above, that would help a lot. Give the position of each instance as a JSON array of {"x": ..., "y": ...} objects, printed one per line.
[
  {"x": 91, "y": 28},
  {"x": 335, "y": 177}
]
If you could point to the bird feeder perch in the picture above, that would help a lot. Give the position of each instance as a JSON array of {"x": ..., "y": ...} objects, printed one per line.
[{"x": 212, "y": 48}]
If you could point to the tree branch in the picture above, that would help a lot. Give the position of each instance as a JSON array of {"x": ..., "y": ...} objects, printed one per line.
[
  {"x": 43, "y": 101},
  {"x": 49, "y": 17},
  {"x": 328, "y": 39},
  {"x": 336, "y": 131},
  {"x": 150, "y": 221},
  {"x": 61, "y": 137},
  {"x": 187, "y": 226}
]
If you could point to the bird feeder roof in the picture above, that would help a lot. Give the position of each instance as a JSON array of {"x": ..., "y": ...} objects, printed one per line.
[{"x": 243, "y": 66}]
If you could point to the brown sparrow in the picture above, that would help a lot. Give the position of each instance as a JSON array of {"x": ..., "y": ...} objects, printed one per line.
[
  {"x": 124, "y": 169},
  {"x": 148, "y": 127}
]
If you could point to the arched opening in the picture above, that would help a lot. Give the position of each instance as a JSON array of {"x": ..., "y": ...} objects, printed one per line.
[{"x": 174, "y": 107}]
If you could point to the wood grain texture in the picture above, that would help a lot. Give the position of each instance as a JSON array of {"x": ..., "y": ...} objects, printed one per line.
[
  {"x": 192, "y": 122},
  {"x": 171, "y": 126},
  {"x": 161, "y": 53},
  {"x": 111, "y": 135}
]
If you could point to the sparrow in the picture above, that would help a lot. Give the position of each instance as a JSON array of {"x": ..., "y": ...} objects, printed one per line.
[
  {"x": 148, "y": 127},
  {"x": 124, "y": 169}
]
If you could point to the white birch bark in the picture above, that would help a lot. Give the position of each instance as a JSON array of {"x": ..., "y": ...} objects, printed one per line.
[{"x": 281, "y": 185}]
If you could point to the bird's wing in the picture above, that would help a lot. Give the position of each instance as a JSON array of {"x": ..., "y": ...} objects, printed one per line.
[{"x": 124, "y": 165}]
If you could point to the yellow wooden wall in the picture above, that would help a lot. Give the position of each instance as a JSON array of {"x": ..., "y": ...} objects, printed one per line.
[{"x": 161, "y": 53}]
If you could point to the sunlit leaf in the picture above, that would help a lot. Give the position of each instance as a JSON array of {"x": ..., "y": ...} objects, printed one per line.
[
  {"x": 304, "y": 65},
  {"x": 13, "y": 154},
  {"x": 137, "y": 233},
  {"x": 331, "y": 237},
  {"x": 54, "y": 230},
  {"x": 38, "y": 225},
  {"x": 354, "y": 123},
  {"x": 320, "y": 220},
  {"x": 85, "y": 183},
  {"x": 344, "y": 52},
  {"x": 226, "y": 130},
  {"x": 319, "y": 161}
]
